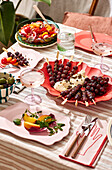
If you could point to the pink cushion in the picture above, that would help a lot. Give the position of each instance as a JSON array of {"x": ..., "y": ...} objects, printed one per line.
[{"x": 82, "y": 21}]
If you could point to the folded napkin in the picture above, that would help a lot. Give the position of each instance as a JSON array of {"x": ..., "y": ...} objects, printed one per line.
[{"x": 92, "y": 147}]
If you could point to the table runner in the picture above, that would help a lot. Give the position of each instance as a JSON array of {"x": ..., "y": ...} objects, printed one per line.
[{"x": 17, "y": 153}]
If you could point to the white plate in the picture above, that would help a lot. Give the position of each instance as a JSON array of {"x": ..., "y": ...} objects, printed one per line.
[
  {"x": 32, "y": 56},
  {"x": 15, "y": 111},
  {"x": 109, "y": 131}
]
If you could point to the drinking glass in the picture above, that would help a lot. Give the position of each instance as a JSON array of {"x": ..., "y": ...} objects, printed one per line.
[
  {"x": 32, "y": 78},
  {"x": 102, "y": 49},
  {"x": 65, "y": 43}
]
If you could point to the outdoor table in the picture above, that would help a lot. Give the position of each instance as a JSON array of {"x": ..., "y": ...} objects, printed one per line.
[{"x": 19, "y": 153}]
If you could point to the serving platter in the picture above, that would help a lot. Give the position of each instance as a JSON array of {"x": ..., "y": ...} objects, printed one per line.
[
  {"x": 19, "y": 39},
  {"x": 15, "y": 111},
  {"x": 89, "y": 71}
]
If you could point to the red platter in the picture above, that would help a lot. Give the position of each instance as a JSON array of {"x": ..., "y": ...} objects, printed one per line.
[{"x": 89, "y": 71}]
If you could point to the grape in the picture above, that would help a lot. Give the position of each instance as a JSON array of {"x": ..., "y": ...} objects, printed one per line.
[
  {"x": 75, "y": 67},
  {"x": 63, "y": 93},
  {"x": 17, "y": 53},
  {"x": 94, "y": 78},
  {"x": 102, "y": 82},
  {"x": 9, "y": 54},
  {"x": 96, "y": 91},
  {"x": 59, "y": 73},
  {"x": 56, "y": 61},
  {"x": 87, "y": 79},
  {"x": 69, "y": 96},
  {"x": 66, "y": 68},
  {"x": 61, "y": 65},
  {"x": 65, "y": 71},
  {"x": 60, "y": 69},
  {"x": 68, "y": 64},
  {"x": 58, "y": 76},
  {"x": 51, "y": 78},
  {"x": 63, "y": 75},
  {"x": 92, "y": 89},
  {"x": 49, "y": 70},
  {"x": 88, "y": 87},
  {"x": 49, "y": 66},
  {"x": 98, "y": 86},
  {"x": 52, "y": 82}
]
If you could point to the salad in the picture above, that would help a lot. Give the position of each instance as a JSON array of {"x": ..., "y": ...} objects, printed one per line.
[{"x": 38, "y": 32}]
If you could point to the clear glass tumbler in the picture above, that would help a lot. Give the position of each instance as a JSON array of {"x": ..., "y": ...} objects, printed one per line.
[{"x": 65, "y": 43}]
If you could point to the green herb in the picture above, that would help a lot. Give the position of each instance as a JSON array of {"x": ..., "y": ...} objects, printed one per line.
[{"x": 17, "y": 121}]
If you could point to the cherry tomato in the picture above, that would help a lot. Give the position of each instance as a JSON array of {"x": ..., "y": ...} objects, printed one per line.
[
  {"x": 13, "y": 61},
  {"x": 4, "y": 60},
  {"x": 27, "y": 29}
]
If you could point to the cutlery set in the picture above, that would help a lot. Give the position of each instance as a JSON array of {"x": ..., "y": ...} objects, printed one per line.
[{"x": 80, "y": 138}]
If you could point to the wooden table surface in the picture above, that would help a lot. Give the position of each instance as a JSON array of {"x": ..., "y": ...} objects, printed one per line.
[{"x": 17, "y": 153}]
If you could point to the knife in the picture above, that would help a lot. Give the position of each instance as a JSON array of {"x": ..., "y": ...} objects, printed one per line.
[
  {"x": 92, "y": 36},
  {"x": 87, "y": 130},
  {"x": 87, "y": 121}
]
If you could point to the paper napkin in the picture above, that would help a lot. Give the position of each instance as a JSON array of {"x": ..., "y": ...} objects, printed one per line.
[{"x": 92, "y": 147}]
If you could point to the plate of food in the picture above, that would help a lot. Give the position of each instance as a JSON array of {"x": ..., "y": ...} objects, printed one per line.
[
  {"x": 35, "y": 33},
  {"x": 109, "y": 130},
  {"x": 42, "y": 126},
  {"x": 76, "y": 82},
  {"x": 19, "y": 57},
  {"x": 83, "y": 39}
]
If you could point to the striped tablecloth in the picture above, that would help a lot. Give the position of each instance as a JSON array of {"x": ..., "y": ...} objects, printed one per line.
[{"x": 17, "y": 153}]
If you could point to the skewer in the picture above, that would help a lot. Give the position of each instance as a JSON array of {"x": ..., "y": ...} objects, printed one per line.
[
  {"x": 4, "y": 49},
  {"x": 57, "y": 55},
  {"x": 76, "y": 103},
  {"x": 47, "y": 61},
  {"x": 63, "y": 59},
  {"x": 93, "y": 101},
  {"x": 86, "y": 103},
  {"x": 71, "y": 58},
  {"x": 64, "y": 101},
  {"x": 13, "y": 49},
  {"x": 80, "y": 62}
]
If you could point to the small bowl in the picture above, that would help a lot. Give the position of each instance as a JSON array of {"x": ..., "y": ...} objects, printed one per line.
[{"x": 4, "y": 93}]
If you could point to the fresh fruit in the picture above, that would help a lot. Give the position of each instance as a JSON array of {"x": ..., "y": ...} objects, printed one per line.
[
  {"x": 44, "y": 118},
  {"x": 31, "y": 126},
  {"x": 28, "y": 118}
]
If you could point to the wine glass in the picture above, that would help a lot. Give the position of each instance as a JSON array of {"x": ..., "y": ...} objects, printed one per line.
[
  {"x": 32, "y": 78},
  {"x": 102, "y": 49}
]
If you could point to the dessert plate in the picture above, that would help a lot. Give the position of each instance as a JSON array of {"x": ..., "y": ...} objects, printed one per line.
[
  {"x": 32, "y": 56},
  {"x": 15, "y": 111},
  {"x": 83, "y": 39},
  {"x": 89, "y": 71}
]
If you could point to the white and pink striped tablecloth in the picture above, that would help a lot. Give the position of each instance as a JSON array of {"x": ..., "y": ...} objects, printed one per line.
[{"x": 17, "y": 153}]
